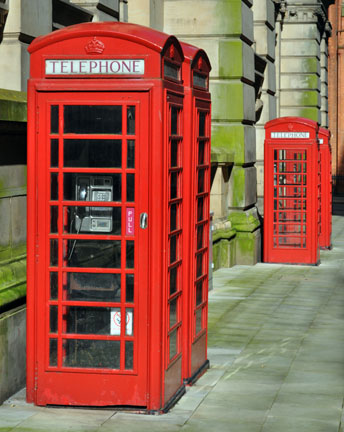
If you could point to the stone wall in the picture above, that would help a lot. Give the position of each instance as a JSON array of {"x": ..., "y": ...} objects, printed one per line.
[
  {"x": 12, "y": 352},
  {"x": 225, "y": 32},
  {"x": 265, "y": 39}
]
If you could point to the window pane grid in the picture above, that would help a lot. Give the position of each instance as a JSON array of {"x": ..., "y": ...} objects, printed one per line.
[{"x": 57, "y": 355}]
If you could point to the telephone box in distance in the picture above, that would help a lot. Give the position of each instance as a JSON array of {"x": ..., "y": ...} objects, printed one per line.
[
  {"x": 291, "y": 191},
  {"x": 325, "y": 188},
  {"x": 196, "y": 69},
  {"x": 106, "y": 217}
]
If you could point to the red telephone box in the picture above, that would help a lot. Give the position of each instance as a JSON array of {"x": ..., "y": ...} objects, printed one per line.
[
  {"x": 196, "y": 69},
  {"x": 106, "y": 218},
  {"x": 291, "y": 191},
  {"x": 325, "y": 188}
]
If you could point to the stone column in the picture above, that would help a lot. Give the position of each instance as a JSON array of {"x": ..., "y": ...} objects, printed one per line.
[
  {"x": 149, "y": 13},
  {"x": 265, "y": 39},
  {"x": 324, "y": 74},
  {"x": 102, "y": 10},
  {"x": 300, "y": 60},
  {"x": 224, "y": 29},
  {"x": 25, "y": 21}
]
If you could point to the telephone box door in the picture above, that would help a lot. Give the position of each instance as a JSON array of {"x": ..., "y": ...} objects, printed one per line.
[{"x": 92, "y": 240}]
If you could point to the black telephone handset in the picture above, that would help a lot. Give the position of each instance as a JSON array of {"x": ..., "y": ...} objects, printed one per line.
[{"x": 93, "y": 219}]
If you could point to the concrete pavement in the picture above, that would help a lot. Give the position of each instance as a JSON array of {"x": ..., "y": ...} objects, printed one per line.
[{"x": 276, "y": 349}]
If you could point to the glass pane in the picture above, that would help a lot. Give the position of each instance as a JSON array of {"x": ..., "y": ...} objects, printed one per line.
[
  {"x": 53, "y": 285},
  {"x": 199, "y": 293},
  {"x": 173, "y": 249},
  {"x": 200, "y": 231},
  {"x": 173, "y": 312},
  {"x": 54, "y": 119},
  {"x": 201, "y": 180},
  {"x": 53, "y": 319},
  {"x": 129, "y": 355},
  {"x": 129, "y": 321},
  {"x": 104, "y": 287},
  {"x": 173, "y": 343},
  {"x": 52, "y": 352},
  {"x": 174, "y": 153},
  {"x": 100, "y": 354},
  {"x": 173, "y": 280},
  {"x": 173, "y": 217},
  {"x": 54, "y": 213},
  {"x": 130, "y": 154},
  {"x": 199, "y": 209},
  {"x": 201, "y": 153},
  {"x": 129, "y": 288},
  {"x": 200, "y": 80},
  {"x": 171, "y": 70},
  {"x": 131, "y": 120},
  {"x": 198, "y": 320},
  {"x": 95, "y": 119},
  {"x": 90, "y": 187},
  {"x": 130, "y": 254},
  {"x": 92, "y": 153},
  {"x": 93, "y": 253},
  {"x": 174, "y": 185},
  {"x": 174, "y": 120},
  {"x": 202, "y": 116},
  {"x": 95, "y": 220},
  {"x": 54, "y": 187},
  {"x": 54, "y": 249},
  {"x": 87, "y": 320},
  {"x": 54, "y": 153},
  {"x": 199, "y": 268},
  {"x": 130, "y": 187}
]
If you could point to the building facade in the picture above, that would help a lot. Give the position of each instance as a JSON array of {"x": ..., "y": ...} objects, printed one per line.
[{"x": 269, "y": 59}]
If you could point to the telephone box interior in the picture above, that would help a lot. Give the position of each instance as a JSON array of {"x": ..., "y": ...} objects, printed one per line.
[
  {"x": 291, "y": 191},
  {"x": 109, "y": 157}
]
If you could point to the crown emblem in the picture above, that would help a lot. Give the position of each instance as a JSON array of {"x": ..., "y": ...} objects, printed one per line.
[
  {"x": 200, "y": 63},
  {"x": 290, "y": 126},
  {"x": 95, "y": 46}
]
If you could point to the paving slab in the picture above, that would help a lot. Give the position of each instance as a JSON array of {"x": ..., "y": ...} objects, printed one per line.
[{"x": 276, "y": 350}]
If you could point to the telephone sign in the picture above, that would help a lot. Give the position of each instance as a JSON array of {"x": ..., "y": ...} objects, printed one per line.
[{"x": 108, "y": 228}]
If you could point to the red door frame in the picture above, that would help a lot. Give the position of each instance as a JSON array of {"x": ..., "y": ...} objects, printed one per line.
[{"x": 57, "y": 394}]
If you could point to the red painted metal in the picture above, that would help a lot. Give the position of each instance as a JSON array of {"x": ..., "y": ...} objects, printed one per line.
[
  {"x": 291, "y": 191},
  {"x": 197, "y": 195},
  {"x": 70, "y": 230},
  {"x": 326, "y": 188}
]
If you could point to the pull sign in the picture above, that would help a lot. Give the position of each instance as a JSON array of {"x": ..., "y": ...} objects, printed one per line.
[
  {"x": 143, "y": 220},
  {"x": 130, "y": 221}
]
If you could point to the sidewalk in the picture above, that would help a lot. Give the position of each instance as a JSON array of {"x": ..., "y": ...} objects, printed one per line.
[{"x": 276, "y": 349}]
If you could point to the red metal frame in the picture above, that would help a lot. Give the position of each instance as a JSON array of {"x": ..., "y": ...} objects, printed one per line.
[
  {"x": 197, "y": 190},
  {"x": 291, "y": 191},
  {"x": 326, "y": 188}
]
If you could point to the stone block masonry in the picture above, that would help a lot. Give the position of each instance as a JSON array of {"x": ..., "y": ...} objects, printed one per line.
[{"x": 225, "y": 32}]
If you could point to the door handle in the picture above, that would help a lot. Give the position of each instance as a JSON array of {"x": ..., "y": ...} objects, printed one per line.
[{"x": 143, "y": 220}]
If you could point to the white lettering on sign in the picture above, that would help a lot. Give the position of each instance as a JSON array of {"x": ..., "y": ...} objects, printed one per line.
[
  {"x": 95, "y": 67},
  {"x": 289, "y": 135}
]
